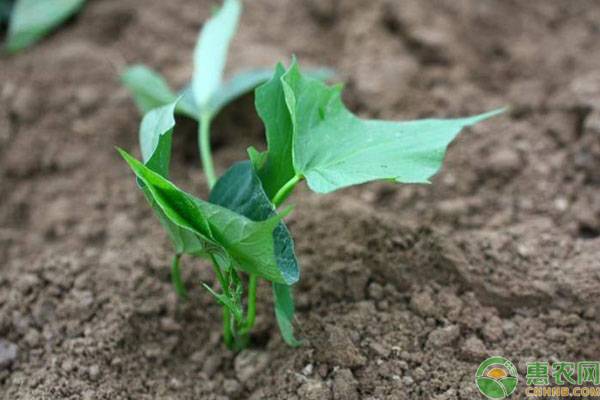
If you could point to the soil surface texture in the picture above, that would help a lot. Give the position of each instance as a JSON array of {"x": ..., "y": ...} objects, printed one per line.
[{"x": 405, "y": 289}]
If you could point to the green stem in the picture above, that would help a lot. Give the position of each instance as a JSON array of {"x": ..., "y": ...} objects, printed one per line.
[
  {"x": 228, "y": 336},
  {"x": 205, "y": 152},
  {"x": 227, "y": 332},
  {"x": 251, "y": 312},
  {"x": 220, "y": 277},
  {"x": 176, "y": 277},
  {"x": 285, "y": 190}
]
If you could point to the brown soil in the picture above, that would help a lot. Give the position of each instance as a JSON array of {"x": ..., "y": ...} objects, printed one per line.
[{"x": 405, "y": 289}]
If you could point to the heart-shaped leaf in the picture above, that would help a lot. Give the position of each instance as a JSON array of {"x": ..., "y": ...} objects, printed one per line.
[
  {"x": 333, "y": 148},
  {"x": 311, "y": 134}
]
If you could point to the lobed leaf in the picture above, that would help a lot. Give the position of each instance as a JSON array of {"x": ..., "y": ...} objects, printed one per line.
[
  {"x": 247, "y": 244},
  {"x": 210, "y": 54},
  {"x": 333, "y": 149},
  {"x": 32, "y": 19},
  {"x": 272, "y": 109}
]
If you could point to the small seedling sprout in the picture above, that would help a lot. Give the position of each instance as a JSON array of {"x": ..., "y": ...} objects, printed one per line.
[{"x": 311, "y": 136}]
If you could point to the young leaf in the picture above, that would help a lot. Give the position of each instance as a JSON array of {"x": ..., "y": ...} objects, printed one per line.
[
  {"x": 155, "y": 135},
  {"x": 225, "y": 301},
  {"x": 223, "y": 232},
  {"x": 210, "y": 54},
  {"x": 240, "y": 190},
  {"x": 332, "y": 148},
  {"x": 150, "y": 90},
  {"x": 156, "y": 131},
  {"x": 284, "y": 312},
  {"x": 257, "y": 158},
  {"x": 272, "y": 109},
  {"x": 32, "y": 19}
]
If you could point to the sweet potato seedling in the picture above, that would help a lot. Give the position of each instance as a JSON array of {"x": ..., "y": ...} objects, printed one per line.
[
  {"x": 201, "y": 99},
  {"x": 311, "y": 136}
]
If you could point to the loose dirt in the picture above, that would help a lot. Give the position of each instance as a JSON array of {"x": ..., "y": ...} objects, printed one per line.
[{"x": 405, "y": 289}]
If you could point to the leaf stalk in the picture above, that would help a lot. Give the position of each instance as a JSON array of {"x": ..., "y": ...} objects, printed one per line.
[
  {"x": 205, "y": 151},
  {"x": 228, "y": 331},
  {"x": 251, "y": 313},
  {"x": 283, "y": 193},
  {"x": 176, "y": 277}
]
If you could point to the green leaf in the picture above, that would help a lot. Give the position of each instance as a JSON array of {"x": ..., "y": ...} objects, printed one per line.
[
  {"x": 156, "y": 131},
  {"x": 257, "y": 158},
  {"x": 284, "y": 312},
  {"x": 272, "y": 109},
  {"x": 33, "y": 19},
  {"x": 226, "y": 234},
  {"x": 240, "y": 190},
  {"x": 188, "y": 102},
  {"x": 149, "y": 88},
  {"x": 332, "y": 148},
  {"x": 210, "y": 54},
  {"x": 239, "y": 85}
]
